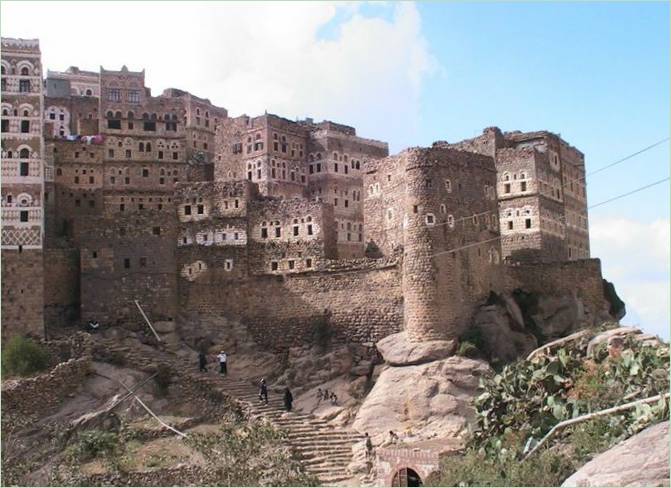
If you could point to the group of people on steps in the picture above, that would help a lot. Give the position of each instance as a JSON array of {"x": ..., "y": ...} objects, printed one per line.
[{"x": 222, "y": 359}]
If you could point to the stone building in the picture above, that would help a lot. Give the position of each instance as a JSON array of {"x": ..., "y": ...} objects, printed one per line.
[
  {"x": 22, "y": 187},
  {"x": 439, "y": 205},
  {"x": 280, "y": 224},
  {"x": 541, "y": 191},
  {"x": 321, "y": 161}
]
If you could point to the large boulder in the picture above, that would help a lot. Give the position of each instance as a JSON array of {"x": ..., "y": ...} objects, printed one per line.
[
  {"x": 423, "y": 401},
  {"x": 641, "y": 460},
  {"x": 397, "y": 350},
  {"x": 503, "y": 338}
]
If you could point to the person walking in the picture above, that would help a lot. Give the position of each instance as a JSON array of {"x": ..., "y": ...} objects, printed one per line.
[
  {"x": 222, "y": 363},
  {"x": 369, "y": 446},
  {"x": 288, "y": 399},
  {"x": 202, "y": 362},
  {"x": 263, "y": 391}
]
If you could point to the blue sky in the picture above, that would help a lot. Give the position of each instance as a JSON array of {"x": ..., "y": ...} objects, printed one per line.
[
  {"x": 413, "y": 73},
  {"x": 598, "y": 73}
]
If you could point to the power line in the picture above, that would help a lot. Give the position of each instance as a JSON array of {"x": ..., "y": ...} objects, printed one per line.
[
  {"x": 593, "y": 206},
  {"x": 629, "y": 193},
  {"x": 626, "y": 158}
]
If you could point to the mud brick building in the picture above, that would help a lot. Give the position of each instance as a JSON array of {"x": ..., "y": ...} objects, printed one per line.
[{"x": 112, "y": 195}]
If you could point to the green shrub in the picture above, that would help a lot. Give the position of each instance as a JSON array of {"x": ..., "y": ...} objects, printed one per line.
[
  {"x": 526, "y": 399},
  {"x": 476, "y": 469},
  {"x": 91, "y": 444},
  {"x": 23, "y": 356},
  {"x": 468, "y": 350}
]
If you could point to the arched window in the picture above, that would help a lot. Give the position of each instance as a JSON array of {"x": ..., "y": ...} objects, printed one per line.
[
  {"x": 450, "y": 221},
  {"x": 2, "y": 70},
  {"x": 25, "y": 71},
  {"x": 443, "y": 208},
  {"x": 59, "y": 172},
  {"x": 89, "y": 93},
  {"x": 448, "y": 186},
  {"x": 24, "y": 153},
  {"x": 142, "y": 147},
  {"x": 26, "y": 113},
  {"x": 130, "y": 116},
  {"x": 117, "y": 115},
  {"x": 149, "y": 147}
]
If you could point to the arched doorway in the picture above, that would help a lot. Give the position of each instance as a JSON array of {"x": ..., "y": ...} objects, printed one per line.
[{"x": 406, "y": 477}]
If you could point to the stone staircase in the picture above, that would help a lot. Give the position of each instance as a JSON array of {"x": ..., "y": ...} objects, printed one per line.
[{"x": 323, "y": 450}]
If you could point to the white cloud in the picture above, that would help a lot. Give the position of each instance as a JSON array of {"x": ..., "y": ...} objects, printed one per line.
[
  {"x": 250, "y": 57},
  {"x": 635, "y": 256}
]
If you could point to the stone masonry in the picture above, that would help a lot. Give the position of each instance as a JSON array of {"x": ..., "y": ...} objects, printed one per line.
[{"x": 281, "y": 224}]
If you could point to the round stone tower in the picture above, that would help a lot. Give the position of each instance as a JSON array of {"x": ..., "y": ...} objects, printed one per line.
[{"x": 422, "y": 299}]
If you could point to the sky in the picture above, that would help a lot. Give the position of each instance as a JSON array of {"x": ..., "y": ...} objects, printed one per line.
[{"x": 412, "y": 73}]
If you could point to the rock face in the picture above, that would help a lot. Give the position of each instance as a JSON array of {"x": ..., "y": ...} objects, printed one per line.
[
  {"x": 422, "y": 401},
  {"x": 504, "y": 338},
  {"x": 397, "y": 350},
  {"x": 641, "y": 460}
]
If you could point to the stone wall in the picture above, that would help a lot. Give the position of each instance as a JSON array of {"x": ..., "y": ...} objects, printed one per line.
[
  {"x": 281, "y": 310},
  {"x": 127, "y": 258},
  {"x": 582, "y": 277},
  {"x": 22, "y": 293},
  {"x": 43, "y": 393},
  {"x": 61, "y": 286}
]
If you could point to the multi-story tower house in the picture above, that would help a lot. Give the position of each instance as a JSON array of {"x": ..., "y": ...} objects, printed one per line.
[
  {"x": 288, "y": 159},
  {"x": 336, "y": 159},
  {"x": 22, "y": 188},
  {"x": 541, "y": 192}
]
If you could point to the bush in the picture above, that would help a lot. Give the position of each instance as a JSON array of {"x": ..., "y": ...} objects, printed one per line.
[
  {"x": 23, "y": 356},
  {"x": 93, "y": 443},
  {"x": 475, "y": 469}
]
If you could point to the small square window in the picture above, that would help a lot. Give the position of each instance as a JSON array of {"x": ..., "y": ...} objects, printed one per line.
[
  {"x": 291, "y": 264},
  {"x": 156, "y": 231},
  {"x": 273, "y": 265}
]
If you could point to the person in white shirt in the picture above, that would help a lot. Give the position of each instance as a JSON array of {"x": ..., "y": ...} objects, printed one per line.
[{"x": 222, "y": 363}]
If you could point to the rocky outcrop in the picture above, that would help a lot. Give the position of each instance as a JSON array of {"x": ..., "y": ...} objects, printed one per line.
[
  {"x": 432, "y": 400},
  {"x": 397, "y": 350},
  {"x": 500, "y": 329},
  {"x": 641, "y": 460}
]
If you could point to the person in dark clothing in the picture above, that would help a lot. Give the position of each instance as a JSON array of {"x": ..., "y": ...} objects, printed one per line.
[
  {"x": 288, "y": 399},
  {"x": 202, "y": 362},
  {"x": 369, "y": 446},
  {"x": 263, "y": 391}
]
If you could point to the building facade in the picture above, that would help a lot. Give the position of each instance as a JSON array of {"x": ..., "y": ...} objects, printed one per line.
[
  {"x": 542, "y": 194},
  {"x": 112, "y": 195},
  {"x": 22, "y": 187}
]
